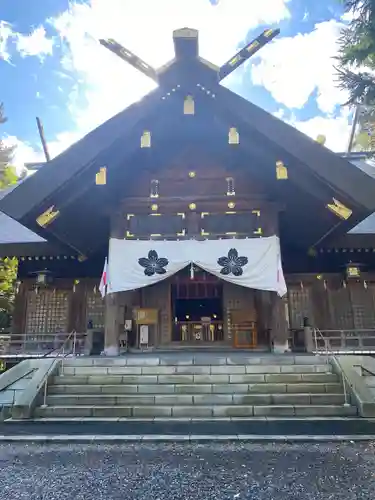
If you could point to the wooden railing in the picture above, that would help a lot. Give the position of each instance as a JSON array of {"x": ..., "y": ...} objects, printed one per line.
[
  {"x": 353, "y": 341},
  {"x": 196, "y": 331}
]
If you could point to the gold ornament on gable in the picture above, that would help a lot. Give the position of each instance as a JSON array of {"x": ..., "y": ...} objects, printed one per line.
[
  {"x": 146, "y": 139},
  {"x": 189, "y": 105}
]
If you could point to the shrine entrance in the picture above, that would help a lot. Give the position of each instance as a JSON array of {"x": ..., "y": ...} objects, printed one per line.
[{"x": 197, "y": 308}]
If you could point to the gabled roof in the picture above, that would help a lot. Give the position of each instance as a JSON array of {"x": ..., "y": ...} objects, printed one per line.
[
  {"x": 367, "y": 226},
  {"x": 317, "y": 176},
  {"x": 11, "y": 231}
]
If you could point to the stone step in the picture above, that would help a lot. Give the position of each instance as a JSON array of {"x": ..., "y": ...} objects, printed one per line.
[
  {"x": 195, "y": 411},
  {"x": 262, "y": 388},
  {"x": 193, "y": 370},
  {"x": 274, "y": 378},
  {"x": 181, "y": 359},
  {"x": 199, "y": 400}
]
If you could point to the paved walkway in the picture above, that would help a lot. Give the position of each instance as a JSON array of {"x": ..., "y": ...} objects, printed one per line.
[
  {"x": 257, "y": 426},
  {"x": 188, "y": 471}
]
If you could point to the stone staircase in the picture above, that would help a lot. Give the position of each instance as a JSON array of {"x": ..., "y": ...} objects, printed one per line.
[{"x": 206, "y": 386}]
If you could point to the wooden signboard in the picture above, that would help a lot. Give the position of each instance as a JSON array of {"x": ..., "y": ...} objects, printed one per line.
[{"x": 147, "y": 316}]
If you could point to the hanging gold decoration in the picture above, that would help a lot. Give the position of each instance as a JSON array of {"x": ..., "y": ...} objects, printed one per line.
[
  {"x": 233, "y": 136},
  {"x": 281, "y": 171},
  {"x": 101, "y": 177},
  {"x": 75, "y": 283},
  {"x": 321, "y": 139},
  {"x": 146, "y": 139},
  {"x": 339, "y": 209},
  {"x": 192, "y": 174},
  {"x": 353, "y": 271},
  {"x": 192, "y": 206},
  {"x": 47, "y": 217},
  {"x": 154, "y": 207},
  {"x": 189, "y": 105},
  {"x": 231, "y": 205},
  {"x": 154, "y": 191},
  {"x": 231, "y": 191},
  {"x": 312, "y": 252}
]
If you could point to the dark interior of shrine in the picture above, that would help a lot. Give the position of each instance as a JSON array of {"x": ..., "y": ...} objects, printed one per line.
[{"x": 196, "y": 309}]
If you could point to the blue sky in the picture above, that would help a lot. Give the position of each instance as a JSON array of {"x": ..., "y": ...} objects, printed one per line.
[{"x": 51, "y": 65}]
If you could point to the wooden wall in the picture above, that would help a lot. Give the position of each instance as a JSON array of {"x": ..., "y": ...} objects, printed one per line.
[
  {"x": 331, "y": 303},
  {"x": 58, "y": 307},
  {"x": 327, "y": 303},
  {"x": 158, "y": 297}
]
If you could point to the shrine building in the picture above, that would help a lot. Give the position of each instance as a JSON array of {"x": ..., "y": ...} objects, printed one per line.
[{"x": 222, "y": 225}]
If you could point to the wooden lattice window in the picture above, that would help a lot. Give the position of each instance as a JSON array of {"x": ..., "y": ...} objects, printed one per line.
[
  {"x": 363, "y": 306},
  {"x": 341, "y": 309},
  {"x": 95, "y": 310},
  {"x": 299, "y": 306},
  {"x": 47, "y": 311}
]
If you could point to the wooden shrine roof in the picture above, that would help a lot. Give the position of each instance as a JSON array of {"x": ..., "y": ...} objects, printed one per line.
[{"x": 317, "y": 176}]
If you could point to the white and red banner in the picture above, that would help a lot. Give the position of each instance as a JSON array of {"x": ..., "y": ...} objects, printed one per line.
[
  {"x": 253, "y": 262},
  {"x": 104, "y": 280}
]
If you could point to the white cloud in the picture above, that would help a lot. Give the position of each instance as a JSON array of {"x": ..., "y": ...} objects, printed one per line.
[
  {"x": 336, "y": 129},
  {"x": 145, "y": 27},
  {"x": 35, "y": 44},
  {"x": 290, "y": 68},
  {"x": 24, "y": 152},
  {"x": 5, "y": 35},
  {"x": 293, "y": 68}
]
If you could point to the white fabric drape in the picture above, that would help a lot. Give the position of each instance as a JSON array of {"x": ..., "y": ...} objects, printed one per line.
[{"x": 253, "y": 263}]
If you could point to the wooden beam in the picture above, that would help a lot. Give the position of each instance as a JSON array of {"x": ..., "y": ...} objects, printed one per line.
[
  {"x": 42, "y": 138},
  {"x": 129, "y": 57},
  {"x": 248, "y": 51}
]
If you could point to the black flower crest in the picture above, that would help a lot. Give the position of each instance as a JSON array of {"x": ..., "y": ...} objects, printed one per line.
[
  {"x": 153, "y": 264},
  {"x": 232, "y": 264}
]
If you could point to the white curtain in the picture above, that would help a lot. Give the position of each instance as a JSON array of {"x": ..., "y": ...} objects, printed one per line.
[{"x": 253, "y": 263}]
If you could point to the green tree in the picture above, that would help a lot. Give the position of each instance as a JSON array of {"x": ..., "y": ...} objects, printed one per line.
[
  {"x": 357, "y": 51},
  {"x": 8, "y": 266},
  {"x": 364, "y": 139}
]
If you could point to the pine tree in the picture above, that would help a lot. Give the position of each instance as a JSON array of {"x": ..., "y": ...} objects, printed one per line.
[{"x": 357, "y": 50}]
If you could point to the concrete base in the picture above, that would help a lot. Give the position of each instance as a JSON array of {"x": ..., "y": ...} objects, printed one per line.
[
  {"x": 112, "y": 351},
  {"x": 280, "y": 347}
]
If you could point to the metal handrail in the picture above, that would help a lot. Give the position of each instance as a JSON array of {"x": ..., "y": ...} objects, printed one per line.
[
  {"x": 60, "y": 355},
  {"x": 329, "y": 352},
  {"x": 45, "y": 345}
]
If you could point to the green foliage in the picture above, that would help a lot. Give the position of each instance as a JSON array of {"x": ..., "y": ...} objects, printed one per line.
[
  {"x": 8, "y": 275},
  {"x": 357, "y": 50},
  {"x": 8, "y": 267},
  {"x": 8, "y": 177},
  {"x": 6, "y": 152}
]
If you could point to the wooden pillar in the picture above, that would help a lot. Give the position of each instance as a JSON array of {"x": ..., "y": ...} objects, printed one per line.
[
  {"x": 20, "y": 308},
  {"x": 77, "y": 309},
  {"x": 113, "y": 323},
  {"x": 280, "y": 331},
  {"x": 263, "y": 307}
]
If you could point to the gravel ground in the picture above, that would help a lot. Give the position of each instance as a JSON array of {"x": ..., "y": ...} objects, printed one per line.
[{"x": 188, "y": 471}]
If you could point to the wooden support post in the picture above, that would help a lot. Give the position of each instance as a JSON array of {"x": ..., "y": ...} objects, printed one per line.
[
  {"x": 113, "y": 323},
  {"x": 280, "y": 331},
  {"x": 20, "y": 309}
]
